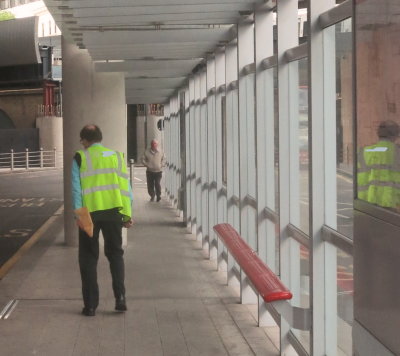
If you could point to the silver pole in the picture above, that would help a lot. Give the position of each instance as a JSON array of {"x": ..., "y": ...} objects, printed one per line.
[
  {"x": 26, "y": 158},
  {"x": 131, "y": 170},
  {"x": 55, "y": 157},
  {"x": 12, "y": 159},
  {"x": 41, "y": 157}
]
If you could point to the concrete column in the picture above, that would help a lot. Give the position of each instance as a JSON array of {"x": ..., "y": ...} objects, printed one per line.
[
  {"x": 153, "y": 131},
  {"x": 140, "y": 137},
  {"x": 88, "y": 97}
]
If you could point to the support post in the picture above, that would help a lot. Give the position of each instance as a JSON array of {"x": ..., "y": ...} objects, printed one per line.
[
  {"x": 26, "y": 158},
  {"x": 41, "y": 157},
  {"x": 12, "y": 159},
  {"x": 55, "y": 157},
  {"x": 131, "y": 170}
]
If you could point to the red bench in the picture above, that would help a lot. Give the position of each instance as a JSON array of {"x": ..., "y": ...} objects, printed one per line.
[{"x": 268, "y": 285}]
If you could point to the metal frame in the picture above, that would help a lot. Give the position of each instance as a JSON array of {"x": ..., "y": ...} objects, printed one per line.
[
  {"x": 247, "y": 130},
  {"x": 269, "y": 62},
  {"x": 203, "y": 138},
  {"x": 298, "y": 235},
  {"x": 336, "y": 14},
  {"x": 287, "y": 38},
  {"x": 211, "y": 162},
  {"x": 296, "y": 53},
  {"x": 380, "y": 213},
  {"x": 323, "y": 256},
  {"x": 337, "y": 239}
]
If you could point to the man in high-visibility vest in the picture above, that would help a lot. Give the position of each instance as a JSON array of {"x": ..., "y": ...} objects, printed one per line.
[
  {"x": 100, "y": 184},
  {"x": 378, "y": 175}
]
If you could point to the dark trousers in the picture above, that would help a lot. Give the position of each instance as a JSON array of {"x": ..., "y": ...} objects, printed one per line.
[
  {"x": 89, "y": 255},
  {"x": 153, "y": 182}
]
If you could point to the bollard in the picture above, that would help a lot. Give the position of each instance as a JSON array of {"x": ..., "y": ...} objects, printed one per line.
[
  {"x": 12, "y": 159},
  {"x": 26, "y": 158},
  {"x": 55, "y": 157},
  {"x": 41, "y": 157},
  {"x": 131, "y": 166}
]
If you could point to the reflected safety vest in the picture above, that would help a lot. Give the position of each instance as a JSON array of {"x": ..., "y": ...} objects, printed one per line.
[
  {"x": 104, "y": 180},
  {"x": 378, "y": 175}
]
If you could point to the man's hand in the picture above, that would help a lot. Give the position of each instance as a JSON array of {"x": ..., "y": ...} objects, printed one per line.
[{"x": 128, "y": 224}]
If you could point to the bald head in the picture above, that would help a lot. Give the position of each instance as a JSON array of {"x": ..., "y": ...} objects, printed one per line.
[
  {"x": 91, "y": 133},
  {"x": 388, "y": 129}
]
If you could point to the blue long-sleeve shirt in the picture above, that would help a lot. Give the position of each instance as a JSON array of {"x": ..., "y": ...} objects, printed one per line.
[{"x": 77, "y": 187}]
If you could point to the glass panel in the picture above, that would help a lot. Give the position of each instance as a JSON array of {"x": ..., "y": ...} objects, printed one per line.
[
  {"x": 275, "y": 34},
  {"x": 223, "y": 138},
  {"x": 251, "y": 140},
  {"x": 276, "y": 167},
  {"x": 344, "y": 303},
  {"x": 299, "y": 190},
  {"x": 302, "y": 22},
  {"x": 378, "y": 102},
  {"x": 276, "y": 138},
  {"x": 301, "y": 291},
  {"x": 344, "y": 127},
  {"x": 303, "y": 144}
]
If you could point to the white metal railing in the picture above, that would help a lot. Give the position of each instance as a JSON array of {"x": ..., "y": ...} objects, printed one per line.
[
  {"x": 31, "y": 159},
  {"x": 49, "y": 110}
]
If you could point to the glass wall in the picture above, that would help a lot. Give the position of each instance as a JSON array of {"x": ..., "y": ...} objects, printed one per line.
[
  {"x": 377, "y": 223},
  {"x": 378, "y": 120},
  {"x": 309, "y": 170},
  {"x": 299, "y": 190}
]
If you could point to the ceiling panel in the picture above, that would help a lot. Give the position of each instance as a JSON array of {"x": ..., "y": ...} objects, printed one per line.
[{"x": 155, "y": 43}]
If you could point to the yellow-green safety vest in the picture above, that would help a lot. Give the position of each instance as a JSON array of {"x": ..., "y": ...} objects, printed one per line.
[
  {"x": 378, "y": 174},
  {"x": 104, "y": 180}
]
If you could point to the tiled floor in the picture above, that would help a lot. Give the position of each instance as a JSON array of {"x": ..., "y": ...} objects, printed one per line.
[{"x": 178, "y": 303}]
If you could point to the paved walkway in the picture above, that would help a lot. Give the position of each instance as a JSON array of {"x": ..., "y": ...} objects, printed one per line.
[{"x": 178, "y": 303}]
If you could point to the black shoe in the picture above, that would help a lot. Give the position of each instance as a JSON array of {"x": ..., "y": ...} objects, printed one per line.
[
  {"x": 89, "y": 311},
  {"x": 152, "y": 199},
  {"x": 158, "y": 198},
  {"x": 120, "y": 304}
]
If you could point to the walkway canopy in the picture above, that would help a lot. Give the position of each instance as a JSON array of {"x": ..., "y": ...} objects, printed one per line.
[{"x": 156, "y": 43}]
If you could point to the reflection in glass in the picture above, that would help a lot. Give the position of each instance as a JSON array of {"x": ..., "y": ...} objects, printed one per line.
[
  {"x": 378, "y": 103},
  {"x": 344, "y": 302},
  {"x": 302, "y": 22},
  {"x": 250, "y": 135},
  {"x": 344, "y": 128},
  {"x": 302, "y": 135},
  {"x": 378, "y": 176},
  {"x": 303, "y": 298},
  {"x": 223, "y": 139},
  {"x": 276, "y": 166}
]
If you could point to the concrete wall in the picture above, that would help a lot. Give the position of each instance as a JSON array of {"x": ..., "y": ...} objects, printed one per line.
[
  {"x": 50, "y": 132},
  {"x": 22, "y": 107}
]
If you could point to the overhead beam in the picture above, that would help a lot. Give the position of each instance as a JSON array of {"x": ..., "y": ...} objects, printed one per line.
[
  {"x": 147, "y": 65},
  {"x": 156, "y": 36},
  {"x": 189, "y": 18},
  {"x": 149, "y": 92},
  {"x": 147, "y": 100},
  {"x": 162, "y": 83},
  {"x": 111, "y": 10},
  {"x": 125, "y": 3}
]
